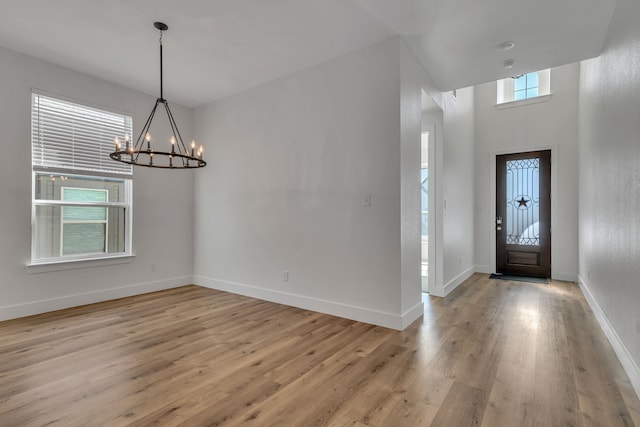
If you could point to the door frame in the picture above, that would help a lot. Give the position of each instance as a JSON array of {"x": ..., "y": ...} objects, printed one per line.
[
  {"x": 554, "y": 191},
  {"x": 432, "y": 249}
]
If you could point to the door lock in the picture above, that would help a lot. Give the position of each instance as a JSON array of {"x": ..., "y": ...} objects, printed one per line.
[{"x": 499, "y": 220}]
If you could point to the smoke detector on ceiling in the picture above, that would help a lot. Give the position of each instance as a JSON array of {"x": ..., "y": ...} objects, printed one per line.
[{"x": 504, "y": 46}]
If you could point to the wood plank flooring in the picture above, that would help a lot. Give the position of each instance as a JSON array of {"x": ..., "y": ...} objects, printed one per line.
[{"x": 493, "y": 353}]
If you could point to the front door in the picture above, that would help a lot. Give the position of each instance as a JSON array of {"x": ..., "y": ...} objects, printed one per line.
[{"x": 523, "y": 214}]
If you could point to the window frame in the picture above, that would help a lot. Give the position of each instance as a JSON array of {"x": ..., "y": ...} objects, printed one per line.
[
  {"x": 105, "y": 221},
  {"x": 505, "y": 90},
  {"x": 126, "y": 202}
]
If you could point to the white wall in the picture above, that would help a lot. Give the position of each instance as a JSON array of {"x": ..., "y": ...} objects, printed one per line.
[
  {"x": 610, "y": 185},
  {"x": 451, "y": 169},
  {"x": 457, "y": 178},
  {"x": 414, "y": 81},
  {"x": 291, "y": 163},
  {"x": 550, "y": 124},
  {"x": 162, "y": 205}
]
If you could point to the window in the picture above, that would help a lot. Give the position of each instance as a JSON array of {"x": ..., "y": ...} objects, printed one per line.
[
  {"x": 531, "y": 85},
  {"x": 525, "y": 86},
  {"x": 81, "y": 198},
  {"x": 84, "y": 228}
]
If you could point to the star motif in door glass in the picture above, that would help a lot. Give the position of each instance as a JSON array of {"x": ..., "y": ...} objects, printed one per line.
[{"x": 522, "y": 202}]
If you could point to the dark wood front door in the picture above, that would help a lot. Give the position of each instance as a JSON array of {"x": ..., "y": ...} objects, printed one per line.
[{"x": 523, "y": 214}]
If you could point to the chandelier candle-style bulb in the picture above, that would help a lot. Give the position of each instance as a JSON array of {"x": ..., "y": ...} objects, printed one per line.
[{"x": 139, "y": 155}]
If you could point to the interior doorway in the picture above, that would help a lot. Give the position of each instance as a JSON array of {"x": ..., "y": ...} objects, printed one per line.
[
  {"x": 424, "y": 209},
  {"x": 429, "y": 191},
  {"x": 523, "y": 214}
]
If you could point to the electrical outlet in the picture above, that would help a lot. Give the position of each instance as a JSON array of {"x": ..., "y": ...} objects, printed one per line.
[
  {"x": 285, "y": 276},
  {"x": 153, "y": 268}
]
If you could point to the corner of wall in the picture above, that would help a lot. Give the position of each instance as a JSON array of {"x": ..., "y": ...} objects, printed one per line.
[
  {"x": 333, "y": 308},
  {"x": 627, "y": 362}
]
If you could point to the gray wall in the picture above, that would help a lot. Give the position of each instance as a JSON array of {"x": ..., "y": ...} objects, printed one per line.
[
  {"x": 291, "y": 166},
  {"x": 292, "y": 163},
  {"x": 457, "y": 179},
  {"x": 610, "y": 184}
]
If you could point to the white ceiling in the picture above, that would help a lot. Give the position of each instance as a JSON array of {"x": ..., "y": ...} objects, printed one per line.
[{"x": 218, "y": 47}]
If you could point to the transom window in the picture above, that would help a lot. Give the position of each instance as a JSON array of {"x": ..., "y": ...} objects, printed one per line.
[
  {"x": 535, "y": 84},
  {"x": 525, "y": 86},
  {"x": 81, "y": 205}
]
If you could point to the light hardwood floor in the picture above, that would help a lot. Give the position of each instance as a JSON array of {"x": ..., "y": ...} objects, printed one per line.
[{"x": 494, "y": 353}]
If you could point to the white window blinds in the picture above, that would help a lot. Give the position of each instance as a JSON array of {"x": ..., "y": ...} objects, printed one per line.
[{"x": 71, "y": 136}]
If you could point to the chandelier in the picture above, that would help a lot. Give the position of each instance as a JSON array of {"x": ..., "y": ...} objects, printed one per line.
[{"x": 175, "y": 156}]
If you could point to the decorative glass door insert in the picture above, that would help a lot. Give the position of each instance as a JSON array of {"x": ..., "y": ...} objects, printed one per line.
[{"x": 523, "y": 202}]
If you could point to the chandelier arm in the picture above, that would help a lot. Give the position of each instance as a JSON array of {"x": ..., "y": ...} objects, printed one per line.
[
  {"x": 145, "y": 129},
  {"x": 146, "y": 126},
  {"x": 176, "y": 132},
  {"x": 174, "y": 126}
]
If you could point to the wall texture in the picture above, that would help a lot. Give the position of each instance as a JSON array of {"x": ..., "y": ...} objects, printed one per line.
[
  {"x": 457, "y": 188},
  {"x": 412, "y": 78},
  {"x": 610, "y": 185},
  {"x": 292, "y": 163},
  {"x": 550, "y": 124},
  {"x": 162, "y": 205}
]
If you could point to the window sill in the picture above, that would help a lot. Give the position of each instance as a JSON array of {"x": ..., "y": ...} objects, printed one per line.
[
  {"x": 60, "y": 265},
  {"x": 512, "y": 104}
]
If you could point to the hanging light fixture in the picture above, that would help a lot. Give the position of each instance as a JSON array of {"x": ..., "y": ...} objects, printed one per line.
[{"x": 175, "y": 156}]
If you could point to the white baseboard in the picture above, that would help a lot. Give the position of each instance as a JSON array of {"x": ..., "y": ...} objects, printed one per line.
[
  {"x": 68, "y": 301},
  {"x": 627, "y": 362},
  {"x": 457, "y": 281},
  {"x": 413, "y": 314},
  {"x": 360, "y": 314},
  {"x": 486, "y": 269},
  {"x": 566, "y": 277}
]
